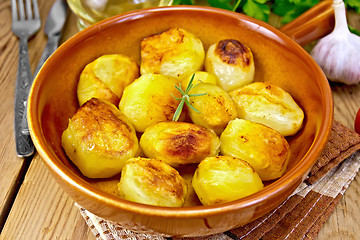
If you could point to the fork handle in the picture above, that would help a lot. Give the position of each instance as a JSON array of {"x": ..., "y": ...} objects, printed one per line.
[
  {"x": 24, "y": 144},
  {"x": 51, "y": 46}
]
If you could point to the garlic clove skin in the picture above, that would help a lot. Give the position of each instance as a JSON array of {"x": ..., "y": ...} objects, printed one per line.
[
  {"x": 339, "y": 59},
  {"x": 338, "y": 54}
]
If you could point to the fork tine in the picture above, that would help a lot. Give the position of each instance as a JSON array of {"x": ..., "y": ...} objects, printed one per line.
[
  {"x": 36, "y": 9},
  {"x": 21, "y": 9},
  {"x": 14, "y": 11},
  {"x": 29, "y": 13}
]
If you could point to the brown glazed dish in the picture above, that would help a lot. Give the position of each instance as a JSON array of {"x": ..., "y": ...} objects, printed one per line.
[
  {"x": 278, "y": 60},
  {"x": 313, "y": 24}
]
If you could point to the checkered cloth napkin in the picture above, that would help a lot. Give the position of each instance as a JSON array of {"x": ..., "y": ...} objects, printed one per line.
[{"x": 299, "y": 217}]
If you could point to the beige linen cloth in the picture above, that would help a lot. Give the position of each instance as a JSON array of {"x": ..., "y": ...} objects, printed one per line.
[{"x": 299, "y": 217}]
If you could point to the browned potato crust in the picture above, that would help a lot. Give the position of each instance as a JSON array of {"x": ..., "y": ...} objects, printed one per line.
[
  {"x": 223, "y": 179},
  {"x": 106, "y": 77},
  {"x": 216, "y": 107},
  {"x": 270, "y": 105},
  {"x": 153, "y": 182},
  {"x": 149, "y": 100},
  {"x": 174, "y": 52},
  {"x": 99, "y": 139},
  {"x": 199, "y": 77},
  {"x": 179, "y": 143},
  {"x": 265, "y": 149},
  {"x": 231, "y": 62}
]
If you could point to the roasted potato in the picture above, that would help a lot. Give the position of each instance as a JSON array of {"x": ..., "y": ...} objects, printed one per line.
[
  {"x": 175, "y": 52},
  {"x": 216, "y": 107},
  {"x": 152, "y": 182},
  {"x": 199, "y": 77},
  {"x": 266, "y": 150},
  {"x": 106, "y": 78},
  {"x": 148, "y": 100},
  {"x": 178, "y": 143},
  {"x": 270, "y": 105},
  {"x": 231, "y": 62},
  {"x": 99, "y": 139},
  {"x": 223, "y": 179}
]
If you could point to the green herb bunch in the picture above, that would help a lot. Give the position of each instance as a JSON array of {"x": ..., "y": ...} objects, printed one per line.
[{"x": 261, "y": 9}]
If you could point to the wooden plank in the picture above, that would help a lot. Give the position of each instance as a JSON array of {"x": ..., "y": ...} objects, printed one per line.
[
  {"x": 11, "y": 166},
  {"x": 43, "y": 211},
  {"x": 344, "y": 223}
]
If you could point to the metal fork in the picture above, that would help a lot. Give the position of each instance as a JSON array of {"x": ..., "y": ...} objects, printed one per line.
[{"x": 25, "y": 23}]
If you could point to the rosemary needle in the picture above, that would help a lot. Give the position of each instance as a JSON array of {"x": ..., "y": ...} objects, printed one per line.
[{"x": 185, "y": 98}]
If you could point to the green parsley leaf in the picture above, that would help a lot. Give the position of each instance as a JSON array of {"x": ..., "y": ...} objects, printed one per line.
[
  {"x": 293, "y": 13},
  {"x": 355, "y": 4},
  {"x": 260, "y": 9},
  {"x": 188, "y": 2},
  {"x": 291, "y": 9},
  {"x": 224, "y": 4},
  {"x": 256, "y": 9},
  {"x": 261, "y": 1},
  {"x": 176, "y": 2}
]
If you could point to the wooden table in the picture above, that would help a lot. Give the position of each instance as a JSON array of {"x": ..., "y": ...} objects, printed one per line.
[{"x": 32, "y": 206}]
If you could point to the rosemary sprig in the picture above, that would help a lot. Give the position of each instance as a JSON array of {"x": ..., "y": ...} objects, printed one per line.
[{"x": 185, "y": 98}]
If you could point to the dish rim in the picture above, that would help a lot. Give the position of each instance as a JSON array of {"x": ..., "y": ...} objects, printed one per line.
[{"x": 268, "y": 193}]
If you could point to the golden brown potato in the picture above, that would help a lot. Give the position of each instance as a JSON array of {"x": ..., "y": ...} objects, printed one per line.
[
  {"x": 270, "y": 105},
  {"x": 148, "y": 100},
  {"x": 199, "y": 77},
  {"x": 178, "y": 143},
  {"x": 152, "y": 182},
  {"x": 231, "y": 62},
  {"x": 175, "y": 52},
  {"x": 266, "y": 150},
  {"x": 216, "y": 107},
  {"x": 106, "y": 77},
  {"x": 223, "y": 179},
  {"x": 99, "y": 139}
]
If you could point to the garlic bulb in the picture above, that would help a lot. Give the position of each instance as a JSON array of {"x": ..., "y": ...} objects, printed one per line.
[{"x": 338, "y": 53}]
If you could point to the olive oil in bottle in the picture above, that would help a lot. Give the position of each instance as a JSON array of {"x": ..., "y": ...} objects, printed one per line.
[{"x": 93, "y": 11}]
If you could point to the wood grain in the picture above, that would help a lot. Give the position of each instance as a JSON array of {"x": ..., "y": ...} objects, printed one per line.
[
  {"x": 11, "y": 166},
  {"x": 42, "y": 210},
  {"x": 41, "y": 199}
]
